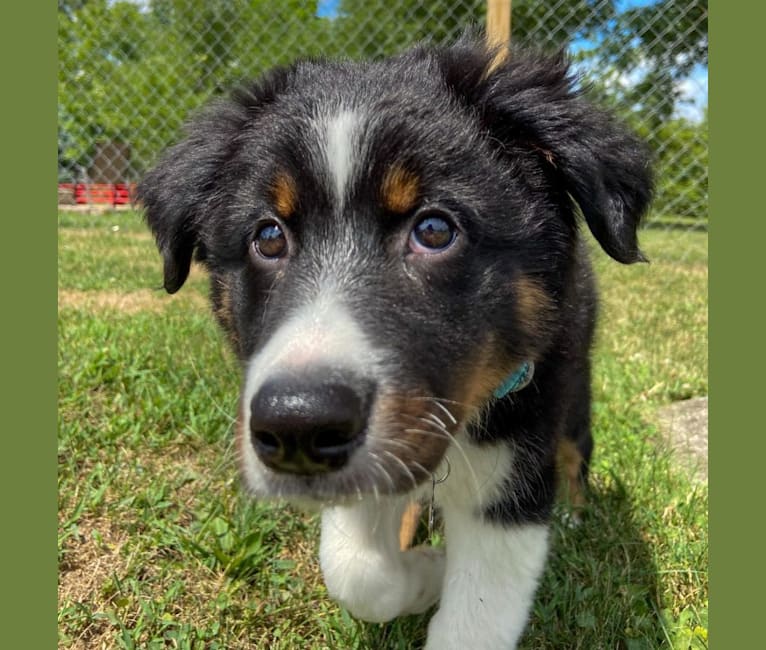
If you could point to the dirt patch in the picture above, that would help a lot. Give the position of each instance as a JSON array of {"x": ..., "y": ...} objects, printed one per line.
[
  {"x": 91, "y": 557},
  {"x": 125, "y": 302},
  {"x": 106, "y": 568}
]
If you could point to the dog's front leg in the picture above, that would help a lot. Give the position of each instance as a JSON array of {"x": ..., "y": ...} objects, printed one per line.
[
  {"x": 491, "y": 576},
  {"x": 493, "y": 566},
  {"x": 364, "y": 568}
]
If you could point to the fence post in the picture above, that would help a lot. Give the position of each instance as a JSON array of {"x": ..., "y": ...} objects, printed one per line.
[{"x": 499, "y": 23}]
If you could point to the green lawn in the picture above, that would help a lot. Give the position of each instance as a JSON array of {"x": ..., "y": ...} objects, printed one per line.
[{"x": 158, "y": 549}]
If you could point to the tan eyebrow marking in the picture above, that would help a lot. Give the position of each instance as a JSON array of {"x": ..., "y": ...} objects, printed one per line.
[
  {"x": 400, "y": 189},
  {"x": 284, "y": 193}
]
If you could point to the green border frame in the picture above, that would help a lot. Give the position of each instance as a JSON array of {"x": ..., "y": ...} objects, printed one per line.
[
  {"x": 28, "y": 356},
  {"x": 737, "y": 225}
]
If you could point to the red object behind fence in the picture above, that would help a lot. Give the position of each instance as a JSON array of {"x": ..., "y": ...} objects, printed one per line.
[{"x": 101, "y": 193}]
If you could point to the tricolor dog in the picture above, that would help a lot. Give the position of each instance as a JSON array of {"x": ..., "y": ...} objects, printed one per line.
[{"x": 394, "y": 256}]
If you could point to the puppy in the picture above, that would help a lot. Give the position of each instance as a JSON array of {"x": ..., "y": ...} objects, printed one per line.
[{"x": 394, "y": 255}]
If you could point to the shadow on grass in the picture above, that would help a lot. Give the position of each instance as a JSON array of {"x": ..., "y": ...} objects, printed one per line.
[{"x": 600, "y": 587}]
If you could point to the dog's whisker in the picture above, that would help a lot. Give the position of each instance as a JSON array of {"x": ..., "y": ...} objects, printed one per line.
[
  {"x": 437, "y": 432},
  {"x": 442, "y": 400},
  {"x": 437, "y": 420},
  {"x": 427, "y": 421},
  {"x": 425, "y": 432},
  {"x": 439, "y": 426},
  {"x": 447, "y": 412},
  {"x": 376, "y": 497},
  {"x": 407, "y": 470},
  {"x": 456, "y": 443},
  {"x": 404, "y": 444},
  {"x": 420, "y": 467},
  {"x": 381, "y": 468},
  {"x": 408, "y": 448}
]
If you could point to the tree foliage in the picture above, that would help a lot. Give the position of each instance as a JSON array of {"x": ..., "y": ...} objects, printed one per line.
[
  {"x": 133, "y": 71},
  {"x": 661, "y": 44},
  {"x": 681, "y": 152},
  {"x": 377, "y": 28}
]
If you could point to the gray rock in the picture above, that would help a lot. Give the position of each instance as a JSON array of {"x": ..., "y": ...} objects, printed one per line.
[{"x": 684, "y": 427}]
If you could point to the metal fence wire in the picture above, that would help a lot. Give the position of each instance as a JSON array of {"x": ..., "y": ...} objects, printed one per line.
[{"x": 131, "y": 72}]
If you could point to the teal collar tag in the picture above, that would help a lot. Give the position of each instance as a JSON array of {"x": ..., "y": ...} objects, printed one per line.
[{"x": 517, "y": 380}]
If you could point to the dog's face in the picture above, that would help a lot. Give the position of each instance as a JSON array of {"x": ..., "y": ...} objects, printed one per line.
[{"x": 386, "y": 243}]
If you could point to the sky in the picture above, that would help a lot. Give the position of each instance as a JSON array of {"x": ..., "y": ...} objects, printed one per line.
[
  {"x": 327, "y": 8},
  {"x": 695, "y": 90}
]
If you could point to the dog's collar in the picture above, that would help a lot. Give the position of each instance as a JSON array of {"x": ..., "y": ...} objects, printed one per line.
[{"x": 517, "y": 380}]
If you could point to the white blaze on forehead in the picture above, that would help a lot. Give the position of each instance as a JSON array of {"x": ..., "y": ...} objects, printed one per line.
[{"x": 340, "y": 134}]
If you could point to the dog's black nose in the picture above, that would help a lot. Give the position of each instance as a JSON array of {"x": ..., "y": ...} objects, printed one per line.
[{"x": 308, "y": 424}]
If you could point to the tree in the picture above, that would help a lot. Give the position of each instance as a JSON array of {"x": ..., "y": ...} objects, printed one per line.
[
  {"x": 133, "y": 73},
  {"x": 98, "y": 42},
  {"x": 377, "y": 28},
  {"x": 555, "y": 26},
  {"x": 682, "y": 158},
  {"x": 659, "y": 44}
]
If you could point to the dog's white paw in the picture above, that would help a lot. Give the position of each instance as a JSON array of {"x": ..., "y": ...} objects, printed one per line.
[
  {"x": 376, "y": 589},
  {"x": 428, "y": 564}
]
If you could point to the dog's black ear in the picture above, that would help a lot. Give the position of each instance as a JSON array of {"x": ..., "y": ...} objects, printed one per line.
[
  {"x": 180, "y": 192},
  {"x": 530, "y": 100},
  {"x": 175, "y": 192}
]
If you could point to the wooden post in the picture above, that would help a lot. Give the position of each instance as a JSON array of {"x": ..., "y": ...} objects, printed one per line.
[{"x": 499, "y": 23}]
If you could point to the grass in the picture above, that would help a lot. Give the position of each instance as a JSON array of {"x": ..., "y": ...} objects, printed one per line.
[{"x": 158, "y": 549}]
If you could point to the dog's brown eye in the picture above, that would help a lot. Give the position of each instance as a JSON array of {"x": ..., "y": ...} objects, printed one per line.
[
  {"x": 432, "y": 235},
  {"x": 270, "y": 241}
]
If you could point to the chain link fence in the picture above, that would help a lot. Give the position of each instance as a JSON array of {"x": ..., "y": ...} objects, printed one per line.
[{"x": 130, "y": 72}]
